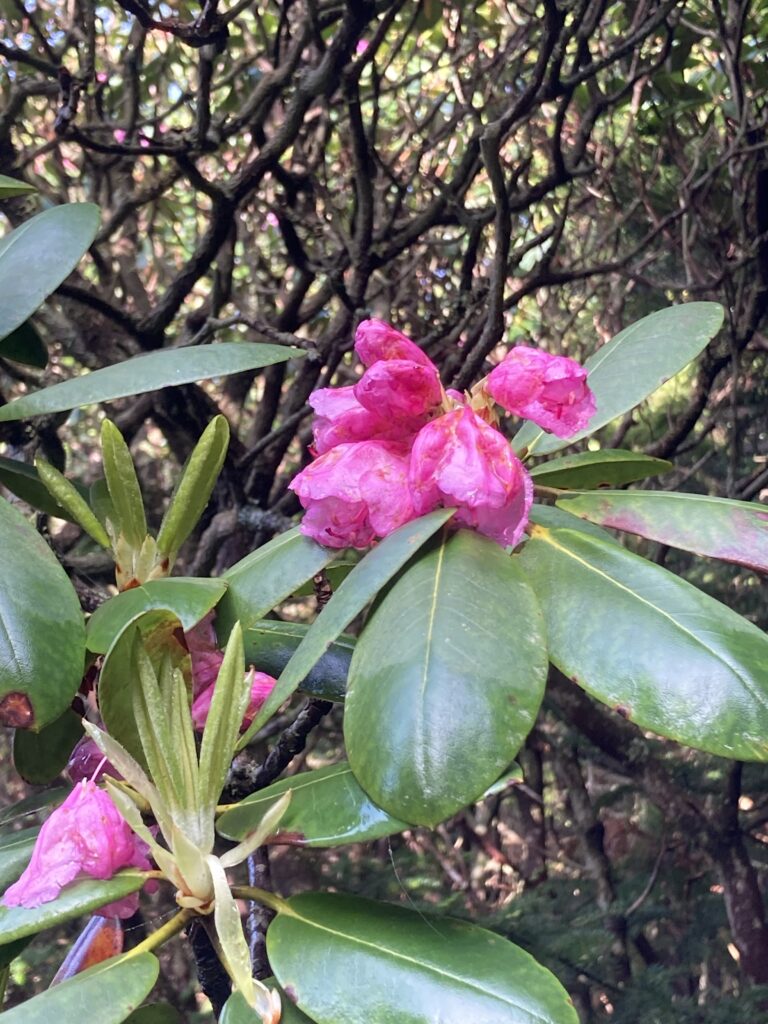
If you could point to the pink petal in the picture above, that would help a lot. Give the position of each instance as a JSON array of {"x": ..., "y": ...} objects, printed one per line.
[
  {"x": 376, "y": 340},
  {"x": 552, "y": 391},
  {"x": 400, "y": 390}
]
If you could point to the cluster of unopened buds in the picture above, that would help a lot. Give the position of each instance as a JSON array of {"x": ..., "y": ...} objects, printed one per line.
[{"x": 397, "y": 445}]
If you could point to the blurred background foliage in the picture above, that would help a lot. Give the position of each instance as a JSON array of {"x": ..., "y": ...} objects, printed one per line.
[{"x": 480, "y": 175}]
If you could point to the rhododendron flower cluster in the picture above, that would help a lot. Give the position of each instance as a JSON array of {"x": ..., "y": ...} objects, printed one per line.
[
  {"x": 86, "y": 835},
  {"x": 397, "y": 445}
]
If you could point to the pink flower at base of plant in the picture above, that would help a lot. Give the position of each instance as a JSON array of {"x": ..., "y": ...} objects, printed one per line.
[
  {"x": 86, "y": 835},
  {"x": 459, "y": 460},
  {"x": 400, "y": 390},
  {"x": 376, "y": 340},
  {"x": 261, "y": 687},
  {"x": 355, "y": 493},
  {"x": 550, "y": 390}
]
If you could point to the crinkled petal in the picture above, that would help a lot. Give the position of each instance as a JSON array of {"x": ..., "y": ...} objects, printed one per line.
[
  {"x": 376, "y": 340},
  {"x": 400, "y": 390}
]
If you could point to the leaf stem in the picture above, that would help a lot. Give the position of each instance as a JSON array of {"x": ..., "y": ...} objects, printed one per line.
[
  {"x": 163, "y": 933},
  {"x": 269, "y": 899}
]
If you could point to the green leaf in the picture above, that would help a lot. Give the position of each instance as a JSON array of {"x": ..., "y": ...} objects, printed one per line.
[
  {"x": 65, "y": 493},
  {"x": 549, "y": 516},
  {"x": 270, "y": 645},
  {"x": 107, "y": 992},
  {"x": 194, "y": 490},
  {"x": 734, "y": 531},
  {"x": 237, "y": 1011},
  {"x": 451, "y": 700},
  {"x": 42, "y": 633},
  {"x": 9, "y": 952},
  {"x": 327, "y": 808},
  {"x": 33, "y": 804},
  {"x": 15, "y": 851},
  {"x": 37, "y": 256},
  {"x": 357, "y": 590},
  {"x": 74, "y": 900},
  {"x": 24, "y": 345},
  {"x": 266, "y": 577},
  {"x": 11, "y": 187},
  {"x": 154, "y": 1013},
  {"x": 609, "y": 467},
  {"x": 136, "y": 376},
  {"x": 159, "y": 631},
  {"x": 380, "y": 964},
  {"x": 24, "y": 481},
  {"x": 39, "y": 757},
  {"x": 188, "y": 598},
  {"x": 633, "y": 365},
  {"x": 644, "y": 641},
  {"x": 123, "y": 484}
]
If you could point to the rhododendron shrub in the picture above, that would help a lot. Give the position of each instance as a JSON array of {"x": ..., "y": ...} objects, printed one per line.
[{"x": 475, "y": 572}]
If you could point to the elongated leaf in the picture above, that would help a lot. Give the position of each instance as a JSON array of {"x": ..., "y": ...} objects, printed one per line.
[
  {"x": 195, "y": 487},
  {"x": 24, "y": 481},
  {"x": 33, "y": 804},
  {"x": 154, "y": 1013},
  {"x": 607, "y": 468},
  {"x": 136, "y": 376},
  {"x": 389, "y": 965},
  {"x": 549, "y": 516},
  {"x": 24, "y": 345},
  {"x": 270, "y": 645},
  {"x": 634, "y": 364},
  {"x": 327, "y": 808},
  {"x": 107, "y": 992},
  {"x": 42, "y": 632},
  {"x": 266, "y": 577},
  {"x": 640, "y": 639},
  {"x": 39, "y": 757},
  {"x": 37, "y": 256},
  {"x": 357, "y": 590},
  {"x": 237, "y": 1011},
  {"x": 11, "y": 187},
  {"x": 189, "y": 599},
  {"x": 734, "y": 531},
  {"x": 69, "y": 497},
  {"x": 454, "y": 651},
  {"x": 159, "y": 630},
  {"x": 15, "y": 851},
  {"x": 74, "y": 900},
  {"x": 123, "y": 485}
]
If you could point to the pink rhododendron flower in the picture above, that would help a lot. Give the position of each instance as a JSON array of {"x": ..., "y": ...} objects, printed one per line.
[
  {"x": 355, "y": 493},
  {"x": 87, "y": 762},
  {"x": 550, "y": 390},
  {"x": 341, "y": 419},
  {"x": 400, "y": 390},
  {"x": 460, "y": 460},
  {"x": 261, "y": 687},
  {"x": 376, "y": 340},
  {"x": 84, "y": 836},
  {"x": 203, "y": 646}
]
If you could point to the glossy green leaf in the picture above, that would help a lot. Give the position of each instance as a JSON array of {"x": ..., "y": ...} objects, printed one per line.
[
  {"x": 42, "y": 632},
  {"x": 15, "y": 851},
  {"x": 327, "y": 808},
  {"x": 123, "y": 485},
  {"x": 74, "y": 900},
  {"x": 270, "y": 645},
  {"x": 24, "y": 481},
  {"x": 644, "y": 641},
  {"x": 106, "y": 993},
  {"x": 266, "y": 577},
  {"x": 188, "y": 598},
  {"x": 32, "y": 804},
  {"x": 453, "y": 652},
  {"x": 734, "y": 531},
  {"x": 357, "y": 590},
  {"x": 39, "y": 757},
  {"x": 195, "y": 487},
  {"x": 159, "y": 630},
  {"x": 237, "y": 1011},
  {"x": 348, "y": 959},
  {"x": 37, "y": 256},
  {"x": 136, "y": 376},
  {"x": 549, "y": 516},
  {"x": 11, "y": 187},
  {"x": 609, "y": 467},
  {"x": 154, "y": 1013},
  {"x": 633, "y": 365},
  {"x": 24, "y": 345}
]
